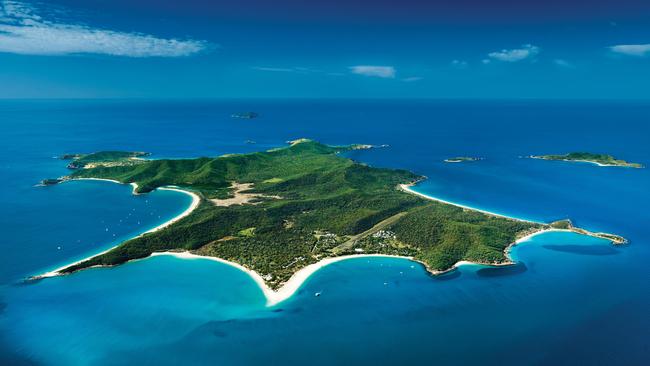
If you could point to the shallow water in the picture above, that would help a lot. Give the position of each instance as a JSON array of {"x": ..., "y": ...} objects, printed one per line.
[{"x": 570, "y": 299}]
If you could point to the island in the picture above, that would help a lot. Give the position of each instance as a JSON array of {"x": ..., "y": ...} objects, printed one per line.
[
  {"x": 585, "y": 157},
  {"x": 245, "y": 115},
  {"x": 276, "y": 212},
  {"x": 50, "y": 181},
  {"x": 462, "y": 159},
  {"x": 104, "y": 158}
]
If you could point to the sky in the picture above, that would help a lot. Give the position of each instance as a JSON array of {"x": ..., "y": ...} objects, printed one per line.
[{"x": 449, "y": 49}]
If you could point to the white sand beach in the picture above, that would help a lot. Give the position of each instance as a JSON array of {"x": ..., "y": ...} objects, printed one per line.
[
  {"x": 582, "y": 161},
  {"x": 292, "y": 285},
  {"x": 196, "y": 200},
  {"x": 407, "y": 188},
  {"x": 295, "y": 282}
]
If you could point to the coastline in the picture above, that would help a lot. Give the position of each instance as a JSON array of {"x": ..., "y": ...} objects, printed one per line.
[
  {"x": 196, "y": 200},
  {"x": 585, "y": 161},
  {"x": 134, "y": 185},
  {"x": 291, "y": 286},
  {"x": 407, "y": 188}
]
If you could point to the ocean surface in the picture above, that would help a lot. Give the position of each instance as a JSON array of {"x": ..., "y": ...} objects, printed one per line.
[{"x": 570, "y": 300}]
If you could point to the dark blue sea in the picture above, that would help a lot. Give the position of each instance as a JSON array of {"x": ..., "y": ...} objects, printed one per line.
[{"x": 570, "y": 300}]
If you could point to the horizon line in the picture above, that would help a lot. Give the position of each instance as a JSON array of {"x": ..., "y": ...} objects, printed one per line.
[{"x": 523, "y": 99}]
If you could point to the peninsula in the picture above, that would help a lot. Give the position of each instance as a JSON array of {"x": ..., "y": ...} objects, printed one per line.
[
  {"x": 585, "y": 157},
  {"x": 276, "y": 212},
  {"x": 103, "y": 158}
]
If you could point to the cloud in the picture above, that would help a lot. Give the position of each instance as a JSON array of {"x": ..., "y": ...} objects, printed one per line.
[
  {"x": 563, "y": 63},
  {"x": 273, "y": 69},
  {"x": 296, "y": 69},
  {"x": 514, "y": 55},
  {"x": 638, "y": 50},
  {"x": 459, "y": 64},
  {"x": 412, "y": 79},
  {"x": 387, "y": 72},
  {"x": 22, "y": 31}
]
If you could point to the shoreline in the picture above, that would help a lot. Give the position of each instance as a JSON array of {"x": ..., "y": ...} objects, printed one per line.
[
  {"x": 586, "y": 161},
  {"x": 291, "y": 286},
  {"x": 134, "y": 185},
  {"x": 295, "y": 282},
  {"x": 408, "y": 188},
  {"x": 196, "y": 200}
]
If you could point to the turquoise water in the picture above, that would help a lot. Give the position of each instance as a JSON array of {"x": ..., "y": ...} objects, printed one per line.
[{"x": 570, "y": 299}]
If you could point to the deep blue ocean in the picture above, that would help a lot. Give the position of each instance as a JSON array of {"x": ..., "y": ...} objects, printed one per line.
[{"x": 570, "y": 300}]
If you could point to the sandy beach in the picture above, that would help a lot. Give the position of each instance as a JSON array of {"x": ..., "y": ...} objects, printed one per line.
[
  {"x": 292, "y": 285},
  {"x": 407, "y": 188},
  {"x": 295, "y": 282},
  {"x": 274, "y": 297},
  {"x": 582, "y": 161},
  {"x": 196, "y": 200}
]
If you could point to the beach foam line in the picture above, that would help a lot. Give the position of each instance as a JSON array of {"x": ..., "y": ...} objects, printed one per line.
[
  {"x": 294, "y": 283},
  {"x": 289, "y": 288},
  {"x": 582, "y": 161},
  {"x": 196, "y": 200},
  {"x": 408, "y": 188}
]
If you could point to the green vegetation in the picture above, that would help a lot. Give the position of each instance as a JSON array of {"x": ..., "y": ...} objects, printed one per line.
[
  {"x": 601, "y": 159},
  {"x": 51, "y": 181},
  {"x": 562, "y": 224},
  {"x": 103, "y": 158},
  {"x": 461, "y": 159},
  {"x": 311, "y": 203},
  {"x": 247, "y": 233}
]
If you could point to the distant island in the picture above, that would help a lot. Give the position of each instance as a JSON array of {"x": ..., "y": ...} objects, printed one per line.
[
  {"x": 461, "y": 159},
  {"x": 104, "y": 158},
  {"x": 585, "y": 157},
  {"x": 245, "y": 115},
  {"x": 51, "y": 181},
  {"x": 282, "y": 210}
]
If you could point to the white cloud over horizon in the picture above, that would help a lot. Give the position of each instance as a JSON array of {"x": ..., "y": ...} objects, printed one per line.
[
  {"x": 459, "y": 64},
  {"x": 294, "y": 69},
  {"x": 563, "y": 63},
  {"x": 526, "y": 51},
  {"x": 273, "y": 69},
  {"x": 386, "y": 72},
  {"x": 412, "y": 79},
  {"x": 22, "y": 31},
  {"x": 638, "y": 50}
]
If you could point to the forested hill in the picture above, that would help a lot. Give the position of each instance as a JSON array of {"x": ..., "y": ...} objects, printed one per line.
[{"x": 279, "y": 210}]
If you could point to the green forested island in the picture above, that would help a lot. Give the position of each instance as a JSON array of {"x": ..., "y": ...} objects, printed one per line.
[
  {"x": 600, "y": 159},
  {"x": 279, "y": 210},
  {"x": 461, "y": 159},
  {"x": 103, "y": 158}
]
